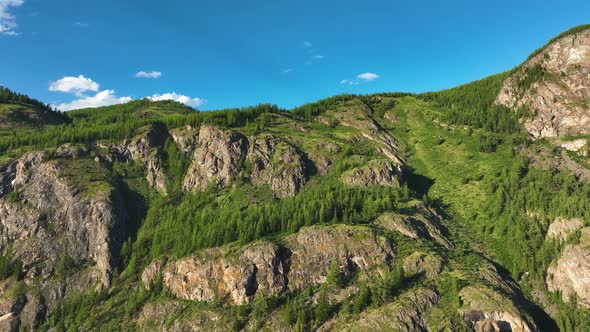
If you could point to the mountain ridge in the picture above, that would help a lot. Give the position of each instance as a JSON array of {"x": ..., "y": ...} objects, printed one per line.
[{"x": 393, "y": 211}]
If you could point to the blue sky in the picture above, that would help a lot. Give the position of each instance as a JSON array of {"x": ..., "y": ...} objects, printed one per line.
[{"x": 231, "y": 53}]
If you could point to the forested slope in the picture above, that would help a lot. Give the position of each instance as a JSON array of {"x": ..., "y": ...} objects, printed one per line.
[{"x": 438, "y": 211}]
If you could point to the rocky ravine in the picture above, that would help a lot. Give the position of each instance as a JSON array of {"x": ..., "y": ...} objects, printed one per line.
[{"x": 554, "y": 86}]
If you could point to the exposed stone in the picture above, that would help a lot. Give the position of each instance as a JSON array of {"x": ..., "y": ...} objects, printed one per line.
[
  {"x": 7, "y": 176},
  {"x": 186, "y": 138},
  {"x": 144, "y": 148},
  {"x": 429, "y": 264},
  {"x": 423, "y": 225},
  {"x": 236, "y": 276},
  {"x": 152, "y": 272},
  {"x": 376, "y": 172},
  {"x": 218, "y": 274},
  {"x": 578, "y": 145},
  {"x": 72, "y": 151},
  {"x": 276, "y": 162},
  {"x": 570, "y": 273},
  {"x": 323, "y": 155},
  {"x": 218, "y": 158},
  {"x": 60, "y": 214},
  {"x": 485, "y": 310},
  {"x": 559, "y": 97},
  {"x": 353, "y": 248},
  {"x": 562, "y": 227},
  {"x": 406, "y": 314}
]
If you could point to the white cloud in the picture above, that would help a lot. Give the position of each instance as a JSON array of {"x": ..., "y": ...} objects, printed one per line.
[
  {"x": 150, "y": 74},
  {"x": 367, "y": 76},
  {"x": 102, "y": 98},
  {"x": 307, "y": 44},
  {"x": 72, "y": 84},
  {"x": 193, "y": 102},
  {"x": 318, "y": 57},
  {"x": 288, "y": 70},
  {"x": 7, "y": 20},
  {"x": 81, "y": 24}
]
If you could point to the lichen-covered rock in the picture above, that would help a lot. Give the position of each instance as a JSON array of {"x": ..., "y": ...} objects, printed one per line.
[
  {"x": 219, "y": 274},
  {"x": 408, "y": 313},
  {"x": 484, "y": 308},
  {"x": 353, "y": 248},
  {"x": 276, "y": 162},
  {"x": 186, "y": 138},
  {"x": 429, "y": 264},
  {"x": 375, "y": 173},
  {"x": 562, "y": 227},
  {"x": 555, "y": 87},
  {"x": 570, "y": 273},
  {"x": 218, "y": 158}
]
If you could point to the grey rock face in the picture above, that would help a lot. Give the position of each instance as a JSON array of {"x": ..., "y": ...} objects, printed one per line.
[
  {"x": 278, "y": 163},
  {"x": 58, "y": 217},
  {"x": 218, "y": 158},
  {"x": 376, "y": 172},
  {"x": 559, "y": 99}
]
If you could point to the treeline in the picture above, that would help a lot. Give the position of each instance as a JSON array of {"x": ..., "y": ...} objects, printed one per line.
[
  {"x": 311, "y": 110},
  {"x": 9, "y": 97},
  {"x": 473, "y": 104},
  {"x": 121, "y": 121}
]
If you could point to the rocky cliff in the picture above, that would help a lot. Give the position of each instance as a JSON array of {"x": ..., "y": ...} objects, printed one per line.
[
  {"x": 570, "y": 273},
  {"x": 217, "y": 160},
  {"x": 554, "y": 87},
  {"x": 238, "y": 275}
]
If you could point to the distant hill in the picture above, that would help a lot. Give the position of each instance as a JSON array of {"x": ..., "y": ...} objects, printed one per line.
[{"x": 18, "y": 110}]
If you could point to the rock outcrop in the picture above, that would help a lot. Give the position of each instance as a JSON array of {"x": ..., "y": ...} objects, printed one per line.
[
  {"x": 218, "y": 159},
  {"x": 186, "y": 138},
  {"x": 562, "y": 227},
  {"x": 554, "y": 86},
  {"x": 276, "y": 162},
  {"x": 422, "y": 263},
  {"x": 60, "y": 215},
  {"x": 236, "y": 276},
  {"x": 570, "y": 273},
  {"x": 406, "y": 314},
  {"x": 487, "y": 310},
  {"x": 353, "y": 248},
  {"x": 144, "y": 148},
  {"x": 220, "y": 275},
  {"x": 424, "y": 224},
  {"x": 375, "y": 173}
]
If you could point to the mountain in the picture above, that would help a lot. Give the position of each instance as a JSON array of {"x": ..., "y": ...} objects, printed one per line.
[
  {"x": 459, "y": 210},
  {"x": 17, "y": 110}
]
